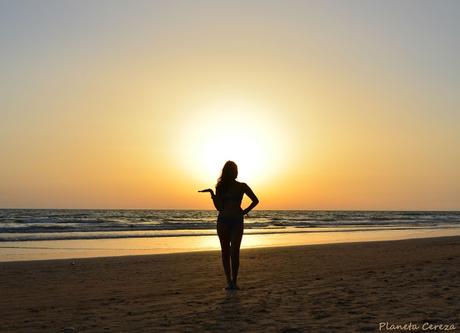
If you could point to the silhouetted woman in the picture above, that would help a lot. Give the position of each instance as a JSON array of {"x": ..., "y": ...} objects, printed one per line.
[{"x": 227, "y": 201}]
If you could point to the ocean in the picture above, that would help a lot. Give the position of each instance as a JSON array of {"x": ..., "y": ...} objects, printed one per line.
[{"x": 68, "y": 224}]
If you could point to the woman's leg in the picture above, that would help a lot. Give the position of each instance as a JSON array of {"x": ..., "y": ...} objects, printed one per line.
[
  {"x": 235, "y": 243},
  {"x": 223, "y": 231}
]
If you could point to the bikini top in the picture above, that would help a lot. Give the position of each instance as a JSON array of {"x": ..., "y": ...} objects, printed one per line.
[{"x": 234, "y": 197}]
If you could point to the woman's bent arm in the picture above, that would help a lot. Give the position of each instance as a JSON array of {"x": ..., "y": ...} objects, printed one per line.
[{"x": 252, "y": 196}]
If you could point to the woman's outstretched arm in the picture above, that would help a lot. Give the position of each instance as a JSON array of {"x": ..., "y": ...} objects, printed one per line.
[
  {"x": 252, "y": 196},
  {"x": 215, "y": 198}
]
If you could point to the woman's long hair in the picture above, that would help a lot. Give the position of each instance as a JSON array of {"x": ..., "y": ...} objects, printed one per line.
[{"x": 229, "y": 174}]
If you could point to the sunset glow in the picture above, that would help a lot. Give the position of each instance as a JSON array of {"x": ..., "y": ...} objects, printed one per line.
[
  {"x": 240, "y": 132},
  {"x": 110, "y": 105}
]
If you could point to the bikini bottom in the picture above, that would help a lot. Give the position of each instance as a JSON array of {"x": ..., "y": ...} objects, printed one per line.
[
  {"x": 230, "y": 220},
  {"x": 230, "y": 224}
]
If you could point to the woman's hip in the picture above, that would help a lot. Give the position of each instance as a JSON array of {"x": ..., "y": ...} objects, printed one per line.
[
  {"x": 230, "y": 224},
  {"x": 230, "y": 219}
]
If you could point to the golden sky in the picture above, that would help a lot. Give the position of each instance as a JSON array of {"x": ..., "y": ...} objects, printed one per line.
[{"x": 323, "y": 105}]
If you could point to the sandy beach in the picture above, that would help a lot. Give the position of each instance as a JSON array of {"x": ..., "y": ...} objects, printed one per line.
[{"x": 355, "y": 287}]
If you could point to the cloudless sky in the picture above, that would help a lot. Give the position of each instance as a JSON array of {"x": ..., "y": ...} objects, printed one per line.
[{"x": 330, "y": 104}]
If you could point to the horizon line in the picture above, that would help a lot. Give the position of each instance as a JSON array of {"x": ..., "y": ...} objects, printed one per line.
[{"x": 276, "y": 209}]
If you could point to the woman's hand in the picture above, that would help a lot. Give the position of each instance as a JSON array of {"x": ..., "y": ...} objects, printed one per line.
[{"x": 207, "y": 190}]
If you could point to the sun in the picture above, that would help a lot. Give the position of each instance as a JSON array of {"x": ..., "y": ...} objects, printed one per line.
[{"x": 245, "y": 133}]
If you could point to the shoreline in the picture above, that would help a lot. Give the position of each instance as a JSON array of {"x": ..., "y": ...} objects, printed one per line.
[
  {"x": 120, "y": 247},
  {"x": 338, "y": 287},
  {"x": 213, "y": 251},
  {"x": 121, "y": 234}
]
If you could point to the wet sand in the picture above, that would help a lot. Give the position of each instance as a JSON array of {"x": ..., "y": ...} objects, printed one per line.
[{"x": 349, "y": 287}]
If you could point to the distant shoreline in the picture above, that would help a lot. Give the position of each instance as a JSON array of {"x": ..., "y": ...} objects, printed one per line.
[{"x": 114, "y": 247}]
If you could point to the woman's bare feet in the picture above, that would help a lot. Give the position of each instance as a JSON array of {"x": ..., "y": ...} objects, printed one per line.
[{"x": 232, "y": 286}]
